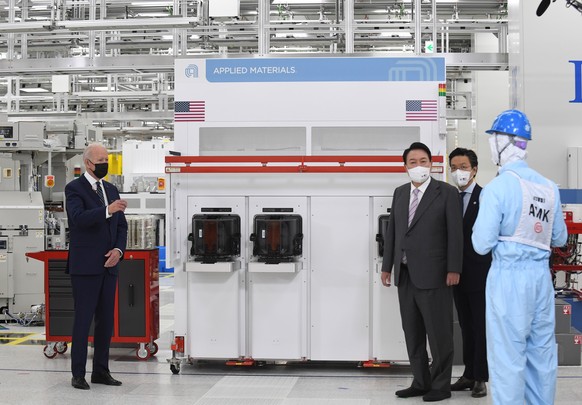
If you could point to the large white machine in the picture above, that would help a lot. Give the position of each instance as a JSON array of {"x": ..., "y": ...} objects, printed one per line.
[
  {"x": 21, "y": 231},
  {"x": 276, "y": 205}
]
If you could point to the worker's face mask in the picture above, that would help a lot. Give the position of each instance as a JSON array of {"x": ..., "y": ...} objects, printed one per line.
[
  {"x": 461, "y": 177},
  {"x": 101, "y": 169},
  {"x": 419, "y": 174}
]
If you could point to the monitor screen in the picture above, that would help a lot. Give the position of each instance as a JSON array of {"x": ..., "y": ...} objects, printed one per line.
[{"x": 7, "y": 132}]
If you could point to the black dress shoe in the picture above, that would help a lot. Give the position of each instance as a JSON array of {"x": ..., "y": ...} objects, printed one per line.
[
  {"x": 479, "y": 390},
  {"x": 462, "y": 384},
  {"x": 434, "y": 396},
  {"x": 104, "y": 378},
  {"x": 410, "y": 392},
  {"x": 80, "y": 383}
]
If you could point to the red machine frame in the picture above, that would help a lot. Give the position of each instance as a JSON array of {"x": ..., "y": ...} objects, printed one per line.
[
  {"x": 574, "y": 228},
  {"x": 291, "y": 164},
  {"x": 147, "y": 347}
]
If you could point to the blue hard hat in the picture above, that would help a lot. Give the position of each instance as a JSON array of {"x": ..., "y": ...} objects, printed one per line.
[{"x": 512, "y": 122}]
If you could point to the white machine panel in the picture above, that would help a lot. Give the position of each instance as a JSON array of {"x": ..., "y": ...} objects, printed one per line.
[
  {"x": 340, "y": 279},
  {"x": 277, "y": 319},
  {"x": 278, "y": 298},
  {"x": 574, "y": 167},
  {"x": 6, "y": 276},
  {"x": 28, "y": 275},
  {"x": 215, "y": 299},
  {"x": 388, "y": 337}
]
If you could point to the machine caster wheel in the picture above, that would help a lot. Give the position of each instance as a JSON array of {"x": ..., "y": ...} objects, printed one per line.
[
  {"x": 152, "y": 348},
  {"x": 142, "y": 352},
  {"x": 175, "y": 368},
  {"x": 61, "y": 347},
  {"x": 50, "y": 352}
]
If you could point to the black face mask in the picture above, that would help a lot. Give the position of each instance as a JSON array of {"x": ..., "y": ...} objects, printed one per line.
[{"x": 100, "y": 169}]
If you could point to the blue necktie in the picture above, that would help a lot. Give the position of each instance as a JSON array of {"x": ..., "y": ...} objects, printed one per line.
[{"x": 462, "y": 197}]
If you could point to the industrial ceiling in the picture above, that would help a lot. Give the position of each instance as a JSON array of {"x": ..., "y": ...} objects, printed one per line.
[{"x": 119, "y": 54}]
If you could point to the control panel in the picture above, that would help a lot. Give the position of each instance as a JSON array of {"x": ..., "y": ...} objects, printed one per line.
[{"x": 9, "y": 135}]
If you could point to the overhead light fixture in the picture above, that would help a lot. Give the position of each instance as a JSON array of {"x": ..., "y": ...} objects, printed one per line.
[
  {"x": 285, "y": 2},
  {"x": 429, "y": 1},
  {"x": 396, "y": 34},
  {"x": 153, "y": 14},
  {"x": 33, "y": 90},
  {"x": 152, "y": 3}
]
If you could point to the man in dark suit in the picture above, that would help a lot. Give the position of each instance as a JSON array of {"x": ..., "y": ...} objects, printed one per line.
[
  {"x": 470, "y": 293},
  {"x": 98, "y": 236},
  {"x": 424, "y": 245}
]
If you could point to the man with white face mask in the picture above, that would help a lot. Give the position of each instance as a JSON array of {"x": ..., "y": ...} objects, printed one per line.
[
  {"x": 470, "y": 293},
  {"x": 424, "y": 245},
  {"x": 520, "y": 219}
]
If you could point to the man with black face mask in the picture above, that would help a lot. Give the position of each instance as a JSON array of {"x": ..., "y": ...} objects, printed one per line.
[{"x": 98, "y": 236}]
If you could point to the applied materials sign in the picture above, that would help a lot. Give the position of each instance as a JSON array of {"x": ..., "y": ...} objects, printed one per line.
[{"x": 325, "y": 70}]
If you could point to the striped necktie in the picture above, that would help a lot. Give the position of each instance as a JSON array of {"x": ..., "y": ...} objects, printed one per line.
[
  {"x": 411, "y": 212},
  {"x": 99, "y": 191},
  {"x": 413, "y": 205}
]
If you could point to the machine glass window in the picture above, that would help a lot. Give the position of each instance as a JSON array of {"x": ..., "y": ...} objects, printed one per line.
[
  {"x": 215, "y": 237},
  {"x": 277, "y": 238},
  {"x": 382, "y": 227}
]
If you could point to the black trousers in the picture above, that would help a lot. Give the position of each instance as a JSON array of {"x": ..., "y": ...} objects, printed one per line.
[
  {"x": 94, "y": 297},
  {"x": 427, "y": 312},
  {"x": 471, "y": 312}
]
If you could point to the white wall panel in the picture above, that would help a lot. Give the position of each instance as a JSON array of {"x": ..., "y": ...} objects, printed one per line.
[{"x": 547, "y": 44}]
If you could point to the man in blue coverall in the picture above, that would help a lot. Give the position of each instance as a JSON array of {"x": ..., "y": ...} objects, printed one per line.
[{"x": 520, "y": 218}]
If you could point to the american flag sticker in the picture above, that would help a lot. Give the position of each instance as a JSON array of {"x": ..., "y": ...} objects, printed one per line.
[
  {"x": 189, "y": 111},
  {"x": 421, "y": 110}
]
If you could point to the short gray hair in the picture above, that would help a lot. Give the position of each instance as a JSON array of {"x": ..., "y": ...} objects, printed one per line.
[{"x": 89, "y": 150}]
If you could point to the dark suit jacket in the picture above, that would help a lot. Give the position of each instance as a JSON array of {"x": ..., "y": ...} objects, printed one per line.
[
  {"x": 475, "y": 266},
  {"x": 434, "y": 241},
  {"x": 91, "y": 234}
]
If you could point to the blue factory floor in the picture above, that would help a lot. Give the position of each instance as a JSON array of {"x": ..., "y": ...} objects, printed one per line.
[{"x": 28, "y": 377}]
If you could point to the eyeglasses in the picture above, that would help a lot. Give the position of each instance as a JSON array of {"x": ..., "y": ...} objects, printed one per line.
[{"x": 466, "y": 168}]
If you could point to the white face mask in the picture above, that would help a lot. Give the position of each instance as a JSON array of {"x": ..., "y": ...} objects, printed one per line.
[
  {"x": 461, "y": 177},
  {"x": 419, "y": 174}
]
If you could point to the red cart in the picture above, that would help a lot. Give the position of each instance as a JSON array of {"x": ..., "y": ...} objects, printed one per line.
[{"x": 137, "y": 314}]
